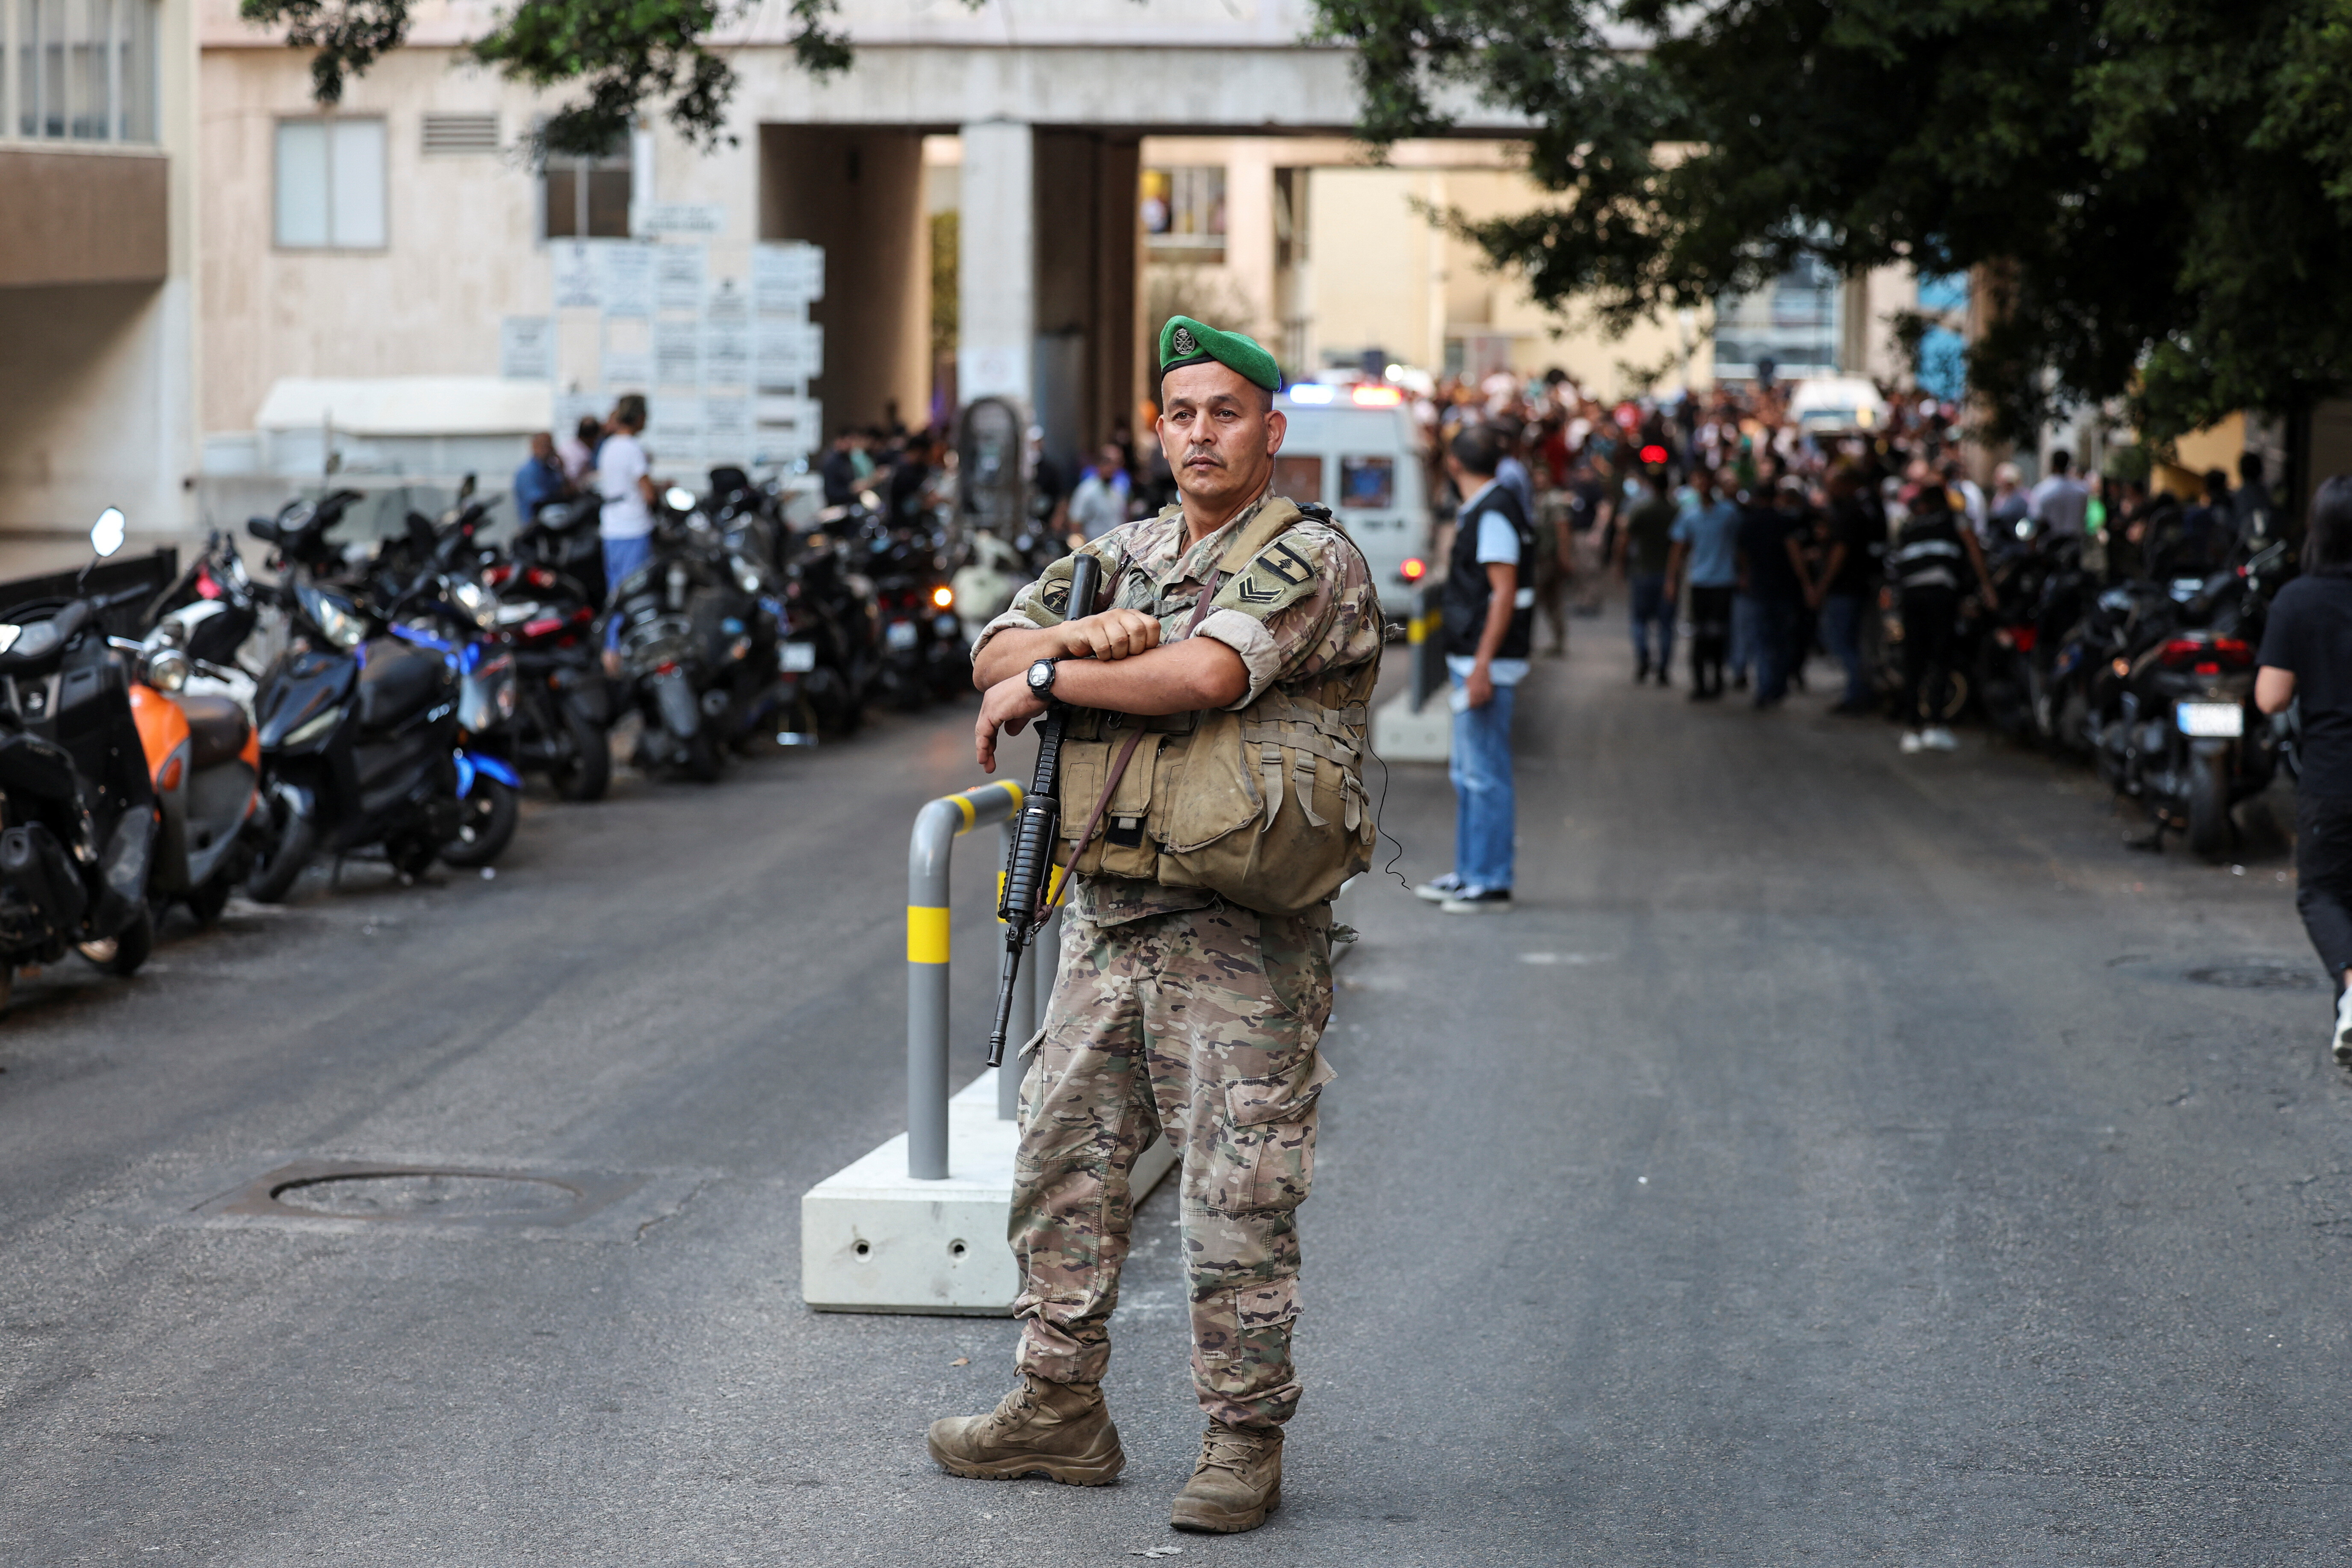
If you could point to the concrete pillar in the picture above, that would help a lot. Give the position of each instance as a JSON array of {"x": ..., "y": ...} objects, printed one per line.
[{"x": 996, "y": 269}]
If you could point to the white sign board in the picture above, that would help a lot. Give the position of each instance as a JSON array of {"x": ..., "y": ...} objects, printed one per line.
[
  {"x": 705, "y": 220},
  {"x": 526, "y": 348}
]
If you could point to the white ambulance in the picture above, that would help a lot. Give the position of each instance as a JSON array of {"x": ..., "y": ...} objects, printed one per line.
[{"x": 1357, "y": 450}]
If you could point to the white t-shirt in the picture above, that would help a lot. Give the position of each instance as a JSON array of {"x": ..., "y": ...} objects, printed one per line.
[{"x": 620, "y": 464}]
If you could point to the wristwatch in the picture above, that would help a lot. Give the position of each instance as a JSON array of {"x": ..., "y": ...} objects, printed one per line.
[{"x": 1041, "y": 678}]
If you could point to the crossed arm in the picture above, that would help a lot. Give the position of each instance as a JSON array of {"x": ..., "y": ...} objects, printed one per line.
[{"x": 1112, "y": 661}]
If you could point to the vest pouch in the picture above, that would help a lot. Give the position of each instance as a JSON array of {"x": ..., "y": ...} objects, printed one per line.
[
  {"x": 1266, "y": 807},
  {"x": 1123, "y": 846}
]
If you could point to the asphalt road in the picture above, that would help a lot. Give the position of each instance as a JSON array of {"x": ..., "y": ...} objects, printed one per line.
[{"x": 1838, "y": 1157}]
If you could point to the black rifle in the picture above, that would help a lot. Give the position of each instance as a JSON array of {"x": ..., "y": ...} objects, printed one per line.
[{"x": 1028, "y": 872}]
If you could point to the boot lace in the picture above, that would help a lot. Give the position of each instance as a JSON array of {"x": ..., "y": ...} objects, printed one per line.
[
  {"x": 1014, "y": 1407},
  {"x": 1228, "y": 1448}
]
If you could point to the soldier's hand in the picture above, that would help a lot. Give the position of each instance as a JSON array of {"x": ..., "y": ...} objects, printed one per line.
[
  {"x": 1009, "y": 705},
  {"x": 1113, "y": 633}
]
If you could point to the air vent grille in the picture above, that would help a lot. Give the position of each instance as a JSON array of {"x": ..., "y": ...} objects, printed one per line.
[{"x": 449, "y": 135}]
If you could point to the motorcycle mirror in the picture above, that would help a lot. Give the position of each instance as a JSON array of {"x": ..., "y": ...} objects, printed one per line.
[
  {"x": 466, "y": 489},
  {"x": 106, "y": 534}
]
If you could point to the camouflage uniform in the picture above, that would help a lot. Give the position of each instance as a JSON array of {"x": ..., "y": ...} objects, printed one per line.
[{"x": 1177, "y": 1014}]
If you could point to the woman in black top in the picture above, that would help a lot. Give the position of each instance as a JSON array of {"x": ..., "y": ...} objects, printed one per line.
[{"x": 2308, "y": 655}]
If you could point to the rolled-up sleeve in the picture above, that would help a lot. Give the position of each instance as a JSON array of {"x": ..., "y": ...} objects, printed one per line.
[{"x": 1261, "y": 655}]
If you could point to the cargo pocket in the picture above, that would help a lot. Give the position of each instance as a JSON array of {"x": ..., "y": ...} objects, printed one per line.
[{"x": 1269, "y": 1163}]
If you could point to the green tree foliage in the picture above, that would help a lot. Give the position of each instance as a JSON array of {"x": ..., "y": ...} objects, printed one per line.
[
  {"x": 2160, "y": 191},
  {"x": 625, "y": 53}
]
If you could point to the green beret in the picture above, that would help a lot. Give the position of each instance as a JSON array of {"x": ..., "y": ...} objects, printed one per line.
[{"x": 1184, "y": 341}]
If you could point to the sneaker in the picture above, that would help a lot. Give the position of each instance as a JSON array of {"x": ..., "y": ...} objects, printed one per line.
[
  {"x": 1438, "y": 891},
  {"x": 2342, "y": 1044},
  {"x": 1940, "y": 739},
  {"x": 1912, "y": 743},
  {"x": 1478, "y": 901}
]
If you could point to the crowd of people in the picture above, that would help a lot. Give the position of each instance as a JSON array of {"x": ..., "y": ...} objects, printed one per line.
[{"x": 1772, "y": 541}]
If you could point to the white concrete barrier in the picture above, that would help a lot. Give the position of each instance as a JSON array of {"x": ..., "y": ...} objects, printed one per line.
[{"x": 874, "y": 1239}]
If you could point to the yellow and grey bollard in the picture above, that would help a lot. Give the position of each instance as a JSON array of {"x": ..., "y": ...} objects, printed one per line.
[
  {"x": 1427, "y": 668},
  {"x": 937, "y": 827}
]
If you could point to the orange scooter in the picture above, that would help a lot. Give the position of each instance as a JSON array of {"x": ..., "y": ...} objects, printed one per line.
[{"x": 204, "y": 757}]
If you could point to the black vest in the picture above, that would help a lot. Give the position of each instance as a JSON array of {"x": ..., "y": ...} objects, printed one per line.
[{"x": 1467, "y": 589}]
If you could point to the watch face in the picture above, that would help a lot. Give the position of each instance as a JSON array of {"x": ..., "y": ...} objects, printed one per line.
[{"x": 1041, "y": 675}]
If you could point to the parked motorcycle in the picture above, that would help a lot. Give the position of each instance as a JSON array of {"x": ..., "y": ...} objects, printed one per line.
[
  {"x": 2177, "y": 727},
  {"x": 696, "y": 646},
  {"x": 363, "y": 743},
  {"x": 78, "y": 810},
  {"x": 563, "y": 712},
  {"x": 204, "y": 758},
  {"x": 923, "y": 654},
  {"x": 561, "y": 538}
]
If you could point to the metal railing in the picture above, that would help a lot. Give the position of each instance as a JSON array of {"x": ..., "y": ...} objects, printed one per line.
[{"x": 937, "y": 827}]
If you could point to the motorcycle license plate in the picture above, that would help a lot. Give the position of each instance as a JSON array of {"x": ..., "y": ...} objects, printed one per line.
[
  {"x": 900, "y": 635},
  {"x": 796, "y": 658},
  {"x": 2210, "y": 719}
]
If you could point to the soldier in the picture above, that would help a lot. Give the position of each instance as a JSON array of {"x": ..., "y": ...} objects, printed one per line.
[{"x": 1244, "y": 633}]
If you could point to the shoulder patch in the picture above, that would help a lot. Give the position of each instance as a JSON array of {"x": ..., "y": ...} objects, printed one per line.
[{"x": 1283, "y": 574}]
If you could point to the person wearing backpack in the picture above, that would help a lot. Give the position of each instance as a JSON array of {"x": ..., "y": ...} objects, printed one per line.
[{"x": 1212, "y": 801}]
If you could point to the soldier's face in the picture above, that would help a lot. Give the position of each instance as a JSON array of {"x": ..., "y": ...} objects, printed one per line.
[{"x": 1220, "y": 432}]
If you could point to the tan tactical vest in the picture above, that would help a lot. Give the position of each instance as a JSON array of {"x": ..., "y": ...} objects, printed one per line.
[{"x": 1265, "y": 808}]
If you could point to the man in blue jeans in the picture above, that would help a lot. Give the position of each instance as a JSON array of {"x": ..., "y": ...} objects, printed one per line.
[{"x": 1489, "y": 625}]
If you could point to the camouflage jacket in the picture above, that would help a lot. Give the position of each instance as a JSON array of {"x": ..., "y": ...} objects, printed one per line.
[{"x": 1326, "y": 620}]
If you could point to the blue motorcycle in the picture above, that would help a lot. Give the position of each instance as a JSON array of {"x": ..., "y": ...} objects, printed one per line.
[{"x": 375, "y": 731}]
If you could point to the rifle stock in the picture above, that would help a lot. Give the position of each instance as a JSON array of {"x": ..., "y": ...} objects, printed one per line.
[{"x": 1029, "y": 869}]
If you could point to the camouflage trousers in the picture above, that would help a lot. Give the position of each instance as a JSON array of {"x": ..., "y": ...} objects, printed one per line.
[{"x": 1200, "y": 1026}]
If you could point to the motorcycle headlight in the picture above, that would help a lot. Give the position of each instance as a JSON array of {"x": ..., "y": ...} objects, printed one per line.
[
  {"x": 167, "y": 670},
  {"x": 334, "y": 616},
  {"x": 679, "y": 497},
  {"x": 476, "y": 601}
]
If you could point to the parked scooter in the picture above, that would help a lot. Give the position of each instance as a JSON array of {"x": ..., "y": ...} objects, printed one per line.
[
  {"x": 78, "y": 818},
  {"x": 204, "y": 758},
  {"x": 563, "y": 712},
  {"x": 698, "y": 648},
  {"x": 363, "y": 743},
  {"x": 561, "y": 538}
]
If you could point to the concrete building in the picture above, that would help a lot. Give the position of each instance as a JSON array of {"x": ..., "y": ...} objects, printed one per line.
[
  {"x": 97, "y": 261},
  {"x": 229, "y": 293}
]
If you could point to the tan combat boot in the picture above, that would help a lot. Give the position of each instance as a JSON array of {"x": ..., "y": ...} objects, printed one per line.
[
  {"x": 1058, "y": 1430},
  {"x": 1237, "y": 1482}
]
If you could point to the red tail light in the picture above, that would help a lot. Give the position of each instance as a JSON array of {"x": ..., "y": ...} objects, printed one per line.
[
  {"x": 540, "y": 627},
  {"x": 2023, "y": 637},
  {"x": 1413, "y": 570},
  {"x": 2209, "y": 653}
]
